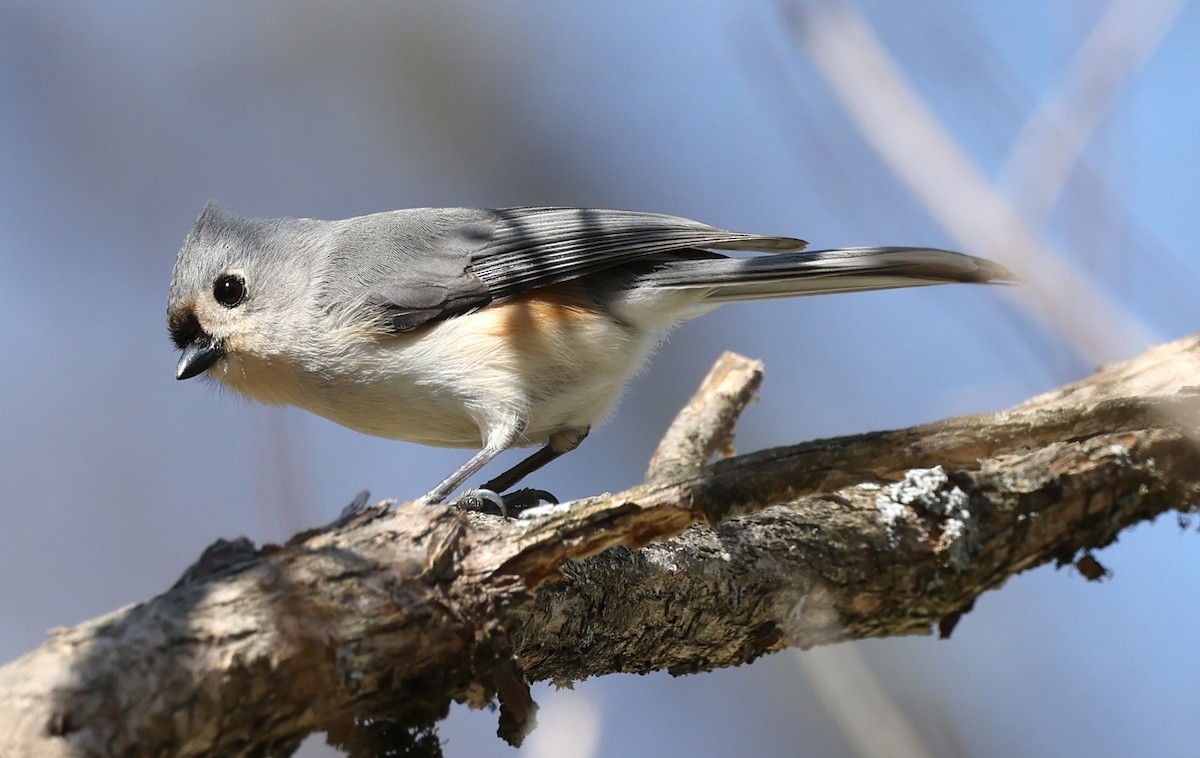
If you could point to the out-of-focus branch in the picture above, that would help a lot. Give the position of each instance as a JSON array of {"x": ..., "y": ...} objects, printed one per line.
[
  {"x": 908, "y": 136},
  {"x": 368, "y": 629},
  {"x": 1054, "y": 136}
]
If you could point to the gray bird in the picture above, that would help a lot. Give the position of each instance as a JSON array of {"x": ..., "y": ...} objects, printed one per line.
[{"x": 487, "y": 329}]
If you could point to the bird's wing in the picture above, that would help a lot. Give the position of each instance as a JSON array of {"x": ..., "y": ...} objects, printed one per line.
[
  {"x": 536, "y": 247},
  {"x": 434, "y": 264}
]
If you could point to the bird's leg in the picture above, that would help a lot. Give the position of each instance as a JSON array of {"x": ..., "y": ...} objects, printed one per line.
[
  {"x": 496, "y": 444},
  {"x": 559, "y": 444}
]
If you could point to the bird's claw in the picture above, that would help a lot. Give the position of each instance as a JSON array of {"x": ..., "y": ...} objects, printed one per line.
[
  {"x": 527, "y": 497},
  {"x": 481, "y": 500},
  {"x": 509, "y": 505}
]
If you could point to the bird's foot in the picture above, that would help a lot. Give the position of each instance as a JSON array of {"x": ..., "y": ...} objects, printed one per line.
[{"x": 508, "y": 505}]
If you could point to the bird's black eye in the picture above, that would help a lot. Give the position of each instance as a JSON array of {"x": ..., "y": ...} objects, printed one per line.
[{"x": 229, "y": 290}]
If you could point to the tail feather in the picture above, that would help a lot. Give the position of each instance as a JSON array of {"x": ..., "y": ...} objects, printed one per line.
[{"x": 824, "y": 271}]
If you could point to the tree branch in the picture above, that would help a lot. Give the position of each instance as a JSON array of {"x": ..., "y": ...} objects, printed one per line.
[
  {"x": 704, "y": 426},
  {"x": 369, "y": 628}
]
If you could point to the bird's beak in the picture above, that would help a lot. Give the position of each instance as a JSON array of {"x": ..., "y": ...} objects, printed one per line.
[{"x": 198, "y": 355}]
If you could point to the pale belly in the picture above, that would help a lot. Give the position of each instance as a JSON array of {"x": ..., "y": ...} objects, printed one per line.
[{"x": 546, "y": 367}]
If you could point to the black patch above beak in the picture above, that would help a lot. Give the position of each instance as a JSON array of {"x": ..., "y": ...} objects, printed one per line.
[{"x": 198, "y": 355}]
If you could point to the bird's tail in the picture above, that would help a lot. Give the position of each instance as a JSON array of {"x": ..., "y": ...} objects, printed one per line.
[{"x": 820, "y": 272}]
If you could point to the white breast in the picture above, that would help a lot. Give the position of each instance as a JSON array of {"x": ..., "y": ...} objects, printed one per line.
[{"x": 550, "y": 364}]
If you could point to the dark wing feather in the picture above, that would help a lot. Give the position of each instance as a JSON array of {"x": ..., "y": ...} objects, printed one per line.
[
  {"x": 537, "y": 247},
  {"x": 435, "y": 264}
]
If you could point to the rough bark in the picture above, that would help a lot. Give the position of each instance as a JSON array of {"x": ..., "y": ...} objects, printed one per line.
[{"x": 367, "y": 629}]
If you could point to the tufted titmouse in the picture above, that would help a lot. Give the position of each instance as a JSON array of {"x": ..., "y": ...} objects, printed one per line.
[{"x": 485, "y": 329}]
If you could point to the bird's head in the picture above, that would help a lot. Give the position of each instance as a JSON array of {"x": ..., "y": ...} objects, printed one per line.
[{"x": 236, "y": 282}]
